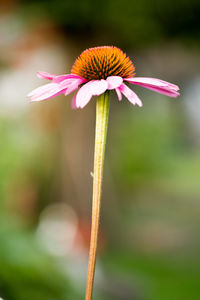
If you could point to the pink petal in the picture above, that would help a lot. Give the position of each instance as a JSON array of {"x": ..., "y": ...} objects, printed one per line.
[
  {"x": 72, "y": 87},
  {"x": 148, "y": 82},
  {"x": 91, "y": 88},
  {"x": 69, "y": 81},
  {"x": 70, "y": 84},
  {"x": 74, "y": 106},
  {"x": 165, "y": 91},
  {"x": 45, "y": 92},
  {"x": 130, "y": 95},
  {"x": 66, "y": 84},
  {"x": 119, "y": 94},
  {"x": 39, "y": 89},
  {"x": 45, "y": 75},
  {"x": 61, "y": 78},
  {"x": 114, "y": 82}
]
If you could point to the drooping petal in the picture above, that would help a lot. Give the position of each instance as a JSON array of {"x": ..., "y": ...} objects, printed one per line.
[
  {"x": 60, "y": 78},
  {"x": 119, "y": 94},
  {"x": 72, "y": 87},
  {"x": 130, "y": 95},
  {"x": 165, "y": 91},
  {"x": 74, "y": 106},
  {"x": 148, "y": 82},
  {"x": 70, "y": 84},
  {"x": 91, "y": 88},
  {"x": 46, "y": 91},
  {"x": 45, "y": 75},
  {"x": 66, "y": 84},
  {"x": 84, "y": 95},
  {"x": 114, "y": 82},
  {"x": 40, "y": 89}
]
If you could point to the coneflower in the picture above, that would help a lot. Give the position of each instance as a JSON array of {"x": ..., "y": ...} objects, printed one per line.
[{"x": 95, "y": 72}]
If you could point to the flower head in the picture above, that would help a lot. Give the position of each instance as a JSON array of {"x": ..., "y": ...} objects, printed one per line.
[
  {"x": 102, "y": 62},
  {"x": 95, "y": 71}
]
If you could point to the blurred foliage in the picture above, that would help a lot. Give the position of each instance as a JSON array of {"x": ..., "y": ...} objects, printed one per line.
[
  {"x": 158, "y": 147},
  {"x": 139, "y": 23},
  {"x": 25, "y": 166},
  {"x": 26, "y": 271},
  {"x": 154, "y": 277}
]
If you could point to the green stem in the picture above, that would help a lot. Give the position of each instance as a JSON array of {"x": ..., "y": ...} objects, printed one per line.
[{"x": 102, "y": 111}]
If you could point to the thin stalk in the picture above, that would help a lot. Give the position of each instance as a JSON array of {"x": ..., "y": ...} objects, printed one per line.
[{"x": 102, "y": 111}]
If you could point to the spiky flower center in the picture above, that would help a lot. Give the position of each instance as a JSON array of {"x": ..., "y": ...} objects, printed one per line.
[{"x": 101, "y": 62}]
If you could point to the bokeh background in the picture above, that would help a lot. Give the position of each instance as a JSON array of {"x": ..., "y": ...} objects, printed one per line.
[{"x": 149, "y": 242}]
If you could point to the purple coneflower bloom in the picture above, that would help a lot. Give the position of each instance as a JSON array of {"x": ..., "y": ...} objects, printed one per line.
[{"x": 95, "y": 71}]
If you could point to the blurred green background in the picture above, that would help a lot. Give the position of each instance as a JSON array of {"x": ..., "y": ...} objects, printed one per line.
[{"x": 149, "y": 245}]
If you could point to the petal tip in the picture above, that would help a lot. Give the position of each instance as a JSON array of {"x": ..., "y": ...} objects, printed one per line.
[{"x": 45, "y": 75}]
